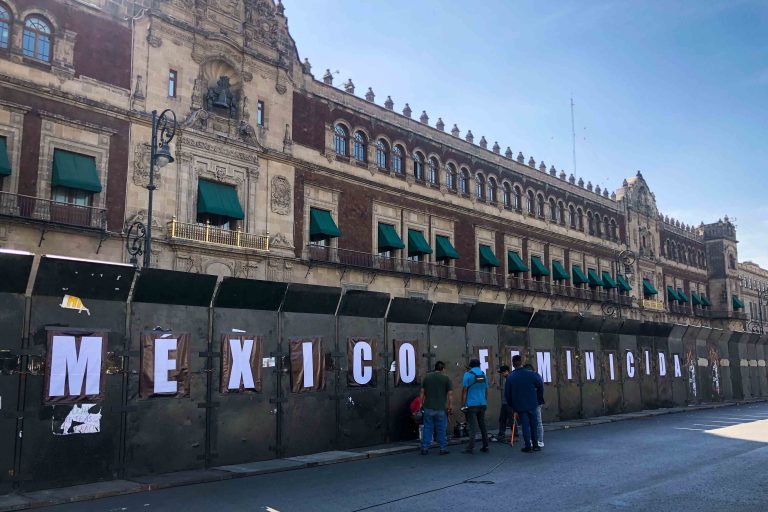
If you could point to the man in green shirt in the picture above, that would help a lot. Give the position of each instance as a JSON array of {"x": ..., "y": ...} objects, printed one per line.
[{"x": 436, "y": 399}]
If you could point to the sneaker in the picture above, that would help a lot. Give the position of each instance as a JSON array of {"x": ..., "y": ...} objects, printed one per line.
[
  {"x": 537, "y": 448},
  {"x": 541, "y": 444},
  {"x": 484, "y": 449},
  {"x": 444, "y": 452},
  {"x": 527, "y": 449},
  {"x": 424, "y": 451}
]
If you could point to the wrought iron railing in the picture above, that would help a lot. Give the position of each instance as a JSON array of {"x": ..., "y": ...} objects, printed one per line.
[
  {"x": 208, "y": 234},
  {"x": 53, "y": 212},
  {"x": 734, "y": 315}
]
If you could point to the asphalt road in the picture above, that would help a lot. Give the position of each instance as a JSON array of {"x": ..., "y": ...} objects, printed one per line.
[{"x": 712, "y": 460}]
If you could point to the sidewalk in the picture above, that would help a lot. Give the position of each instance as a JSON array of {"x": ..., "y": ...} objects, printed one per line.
[{"x": 44, "y": 498}]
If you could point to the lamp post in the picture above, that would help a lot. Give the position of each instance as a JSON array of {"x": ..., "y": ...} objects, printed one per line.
[
  {"x": 625, "y": 259},
  {"x": 163, "y": 131},
  {"x": 757, "y": 326}
]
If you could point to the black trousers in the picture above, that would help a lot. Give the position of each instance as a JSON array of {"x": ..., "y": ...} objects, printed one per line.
[
  {"x": 476, "y": 417},
  {"x": 505, "y": 418}
]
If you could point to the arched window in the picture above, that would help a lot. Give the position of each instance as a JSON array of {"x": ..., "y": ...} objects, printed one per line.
[
  {"x": 464, "y": 182},
  {"x": 361, "y": 147},
  {"x": 432, "y": 171},
  {"x": 598, "y": 226},
  {"x": 450, "y": 177},
  {"x": 507, "y": 196},
  {"x": 561, "y": 212},
  {"x": 552, "y": 210},
  {"x": 531, "y": 203},
  {"x": 341, "y": 140},
  {"x": 418, "y": 166},
  {"x": 397, "y": 159},
  {"x": 382, "y": 154},
  {"x": 492, "y": 190},
  {"x": 37, "y": 39},
  {"x": 518, "y": 199},
  {"x": 580, "y": 219},
  {"x": 614, "y": 232},
  {"x": 479, "y": 187},
  {"x": 5, "y": 23},
  {"x": 572, "y": 217},
  {"x": 590, "y": 223},
  {"x": 540, "y": 205}
]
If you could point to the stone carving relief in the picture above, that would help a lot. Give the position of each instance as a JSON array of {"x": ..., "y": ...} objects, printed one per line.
[
  {"x": 246, "y": 270},
  {"x": 141, "y": 167},
  {"x": 280, "y": 241},
  {"x": 281, "y": 195}
]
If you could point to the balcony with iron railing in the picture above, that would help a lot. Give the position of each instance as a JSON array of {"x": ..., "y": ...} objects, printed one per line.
[
  {"x": 318, "y": 254},
  {"x": 652, "y": 304},
  {"x": 730, "y": 315},
  {"x": 37, "y": 209},
  {"x": 213, "y": 235}
]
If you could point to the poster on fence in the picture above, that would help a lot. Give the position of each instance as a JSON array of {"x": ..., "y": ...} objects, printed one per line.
[
  {"x": 241, "y": 363},
  {"x": 307, "y": 364},
  {"x": 361, "y": 356},
  {"x": 75, "y": 366},
  {"x": 164, "y": 364},
  {"x": 485, "y": 354}
]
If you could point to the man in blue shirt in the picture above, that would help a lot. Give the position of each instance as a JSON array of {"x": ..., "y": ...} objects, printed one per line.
[
  {"x": 474, "y": 399},
  {"x": 520, "y": 392}
]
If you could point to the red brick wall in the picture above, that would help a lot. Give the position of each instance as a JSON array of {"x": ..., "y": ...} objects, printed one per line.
[
  {"x": 102, "y": 47},
  {"x": 30, "y": 149}
]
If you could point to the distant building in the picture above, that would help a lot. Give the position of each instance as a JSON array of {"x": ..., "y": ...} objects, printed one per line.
[{"x": 283, "y": 177}]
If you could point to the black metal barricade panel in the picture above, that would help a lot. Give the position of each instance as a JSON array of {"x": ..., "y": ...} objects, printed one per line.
[
  {"x": 590, "y": 354},
  {"x": 15, "y": 270},
  {"x": 543, "y": 356},
  {"x": 517, "y": 316},
  {"x": 629, "y": 326},
  {"x": 647, "y": 371},
  {"x": 486, "y": 313},
  {"x": 568, "y": 375},
  {"x": 754, "y": 375},
  {"x": 243, "y": 427},
  {"x": 628, "y": 360},
  {"x": 66, "y": 443},
  {"x": 362, "y": 370},
  {"x": 691, "y": 361},
  {"x": 610, "y": 365},
  {"x": 663, "y": 375},
  {"x": 739, "y": 377},
  {"x": 483, "y": 344},
  {"x": 165, "y": 432},
  {"x": 707, "y": 375},
  {"x": 448, "y": 343},
  {"x": 676, "y": 367},
  {"x": 761, "y": 355},
  {"x": 726, "y": 385}
]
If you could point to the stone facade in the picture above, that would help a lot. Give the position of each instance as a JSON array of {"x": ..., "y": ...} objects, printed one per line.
[{"x": 252, "y": 116}]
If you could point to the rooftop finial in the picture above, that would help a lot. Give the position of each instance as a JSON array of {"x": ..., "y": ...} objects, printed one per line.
[
  {"x": 469, "y": 137},
  {"x": 520, "y": 158},
  {"x": 531, "y": 162},
  {"x": 424, "y": 118},
  {"x": 508, "y": 153},
  {"x": 483, "y": 142},
  {"x": 407, "y": 110},
  {"x": 388, "y": 103},
  {"x": 455, "y": 130},
  {"x": 349, "y": 86},
  {"x": 496, "y": 147},
  {"x": 307, "y": 66},
  {"x": 369, "y": 96},
  {"x": 328, "y": 77},
  {"x": 440, "y": 125}
]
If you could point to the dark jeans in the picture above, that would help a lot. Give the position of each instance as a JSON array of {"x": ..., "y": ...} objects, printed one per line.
[
  {"x": 529, "y": 423},
  {"x": 505, "y": 417},
  {"x": 476, "y": 416}
]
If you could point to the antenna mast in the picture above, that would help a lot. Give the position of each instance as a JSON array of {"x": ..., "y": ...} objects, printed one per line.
[{"x": 573, "y": 135}]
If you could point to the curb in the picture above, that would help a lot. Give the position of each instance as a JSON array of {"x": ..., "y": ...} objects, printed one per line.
[{"x": 112, "y": 488}]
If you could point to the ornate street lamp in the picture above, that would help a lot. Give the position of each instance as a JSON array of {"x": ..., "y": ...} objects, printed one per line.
[
  {"x": 624, "y": 259},
  {"x": 139, "y": 238},
  {"x": 757, "y": 326}
]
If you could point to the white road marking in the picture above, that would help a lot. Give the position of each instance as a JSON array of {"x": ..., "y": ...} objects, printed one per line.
[{"x": 685, "y": 428}]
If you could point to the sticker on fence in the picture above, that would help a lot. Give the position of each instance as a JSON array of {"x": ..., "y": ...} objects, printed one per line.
[
  {"x": 72, "y": 302},
  {"x": 79, "y": 419}
]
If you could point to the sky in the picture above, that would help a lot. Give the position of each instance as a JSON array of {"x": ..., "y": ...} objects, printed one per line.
[{"x": 677, "y": 90}]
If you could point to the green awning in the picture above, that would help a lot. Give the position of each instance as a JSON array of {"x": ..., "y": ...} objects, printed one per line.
[
  {"x": 648, "y": 288},
  {"x": 672, "y": 294},
  {"x": 538, "y": 267},
  {"x": 515, "y": 263},
  {"x": 737, "y": 304},
  {"x": 388, "y": 238},
  {"x": 594, "y": 279},
  {"x": 5, "y": 162},
  {"x": 623, "y": 284},
  {"x": 487, "y": 258},
  {"x": 695, "y": 299},
  {"x": 705, "y": 300},
  {"x": 445, "y": 251},
  {"x": 559, "y": 272},
  {"x": 608, "y": 281},
  {"x": 221, "y": 199},
  {"x": 73, "y": 170},
  {"x": 682, "y": 295},
  {"x": 578, "y": 275},
  {"x": 416, "y": 243},
  {"x": 321, "y": 225}
]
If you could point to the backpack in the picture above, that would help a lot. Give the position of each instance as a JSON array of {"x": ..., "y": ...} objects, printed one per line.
[{"x": 479, "y": 379}]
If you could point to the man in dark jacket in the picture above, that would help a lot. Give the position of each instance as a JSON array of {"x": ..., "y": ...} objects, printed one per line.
[
  {"x": 520, "y": 393},
  {"x": 539, "y": 424}
]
